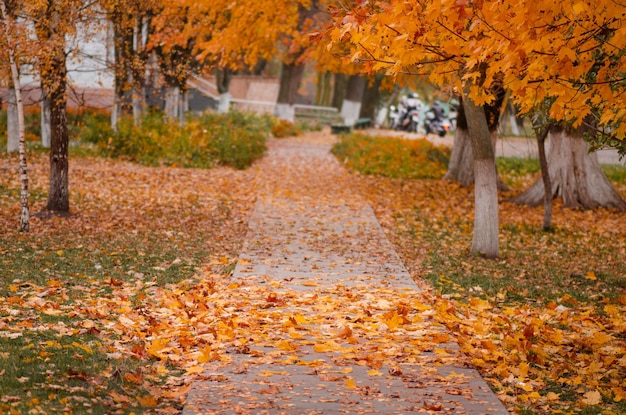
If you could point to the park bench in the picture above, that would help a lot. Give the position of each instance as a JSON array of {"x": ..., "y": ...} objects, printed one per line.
[{"x": 360, "y": 124}]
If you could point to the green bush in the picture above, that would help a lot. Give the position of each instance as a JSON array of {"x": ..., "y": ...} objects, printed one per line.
[
  {"x": 235, "y": 139},
  {"x": 392, "y": 157}
]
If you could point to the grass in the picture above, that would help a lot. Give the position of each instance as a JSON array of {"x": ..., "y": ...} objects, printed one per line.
[
  {"x": 392, "y": 157},
  {"x": 57, "y": 364}
]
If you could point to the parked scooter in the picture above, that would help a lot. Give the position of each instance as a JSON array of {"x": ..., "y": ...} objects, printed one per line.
[
  {"x": 436, "y": 121},
  {"x": 408, "y": 113}
]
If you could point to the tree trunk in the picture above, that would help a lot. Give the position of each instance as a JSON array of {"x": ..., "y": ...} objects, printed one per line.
[
  {"x": 172, "y": 100},
  {"x": 339, "y": 90},
  {"x": 575, "y": 174},
  {"x": 290, "y": 78},
  {"x": 485, "y": 237},
  {"x": 223, "y": 78},
  {"x": 371, "y": 96},
  {"x": 58, "y": 196},
  {"x": 45, "y": 122},
  {"x": 17, "y": 91},
  {"x": 545, "y": 176},
  {"x": 461, "y": 164},
  {"x": 13, "y": 129},
  {"x": 323, "y": 93},
  {"x": 351, "y": 106},
  {"x": 122, "y": 50}
]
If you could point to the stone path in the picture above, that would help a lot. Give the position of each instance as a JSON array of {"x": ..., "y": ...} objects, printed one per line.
[{"x": 321, "y": 244}]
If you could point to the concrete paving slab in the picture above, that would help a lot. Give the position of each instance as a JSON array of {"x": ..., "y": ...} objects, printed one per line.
[{"x": 313, "y": 237}]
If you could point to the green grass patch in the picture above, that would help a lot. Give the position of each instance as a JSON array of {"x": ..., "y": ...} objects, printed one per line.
[{"x": 392, "y": 157}]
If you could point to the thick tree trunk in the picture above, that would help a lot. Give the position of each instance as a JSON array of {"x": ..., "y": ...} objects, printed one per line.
[
  {"x": 485, "y": 237},
  {"x": 323, "y": 92},
  {"x": 461, "y": 164},
  {"x": 371, "y": 96},
  {"x": 290, "y": 78},
  {"x": 222, "y": 78},
  {"x": 575, "y": 174},
  {"x": 13, "y": 136},
  {"x": 351, "y": 107},
  {"x": 339, "y": 90}
]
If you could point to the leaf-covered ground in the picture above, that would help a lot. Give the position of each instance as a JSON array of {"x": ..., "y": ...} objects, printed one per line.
[
  {"x": 116, "y": 309},
  {"x": 81, "y": 297},
  {"x": 545, "y": 323}
]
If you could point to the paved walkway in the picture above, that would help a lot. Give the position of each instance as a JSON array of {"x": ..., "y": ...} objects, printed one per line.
[{"x": 355, "y": 335}]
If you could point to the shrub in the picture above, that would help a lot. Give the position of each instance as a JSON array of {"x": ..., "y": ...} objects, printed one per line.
[
  {"x": 284, "y": 128},
  {"x": 392, "y": 157},
  {"x": 235, "y": 139}
]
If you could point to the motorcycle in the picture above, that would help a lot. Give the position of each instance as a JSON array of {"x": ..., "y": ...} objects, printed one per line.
[
  {"x": 411, "y": 121},
  {"x": 406, "y": 117},
  {"x": 436, "y": 125}
]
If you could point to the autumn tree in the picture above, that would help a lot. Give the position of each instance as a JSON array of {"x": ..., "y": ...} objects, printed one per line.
[
  {"x": 399, "y": 38},
  {"x": 569, "y": 54},
  {"x": 8, "y": 23},
  {"x": 19, "y": 38},
  {"x": 130, "y": 24},
  {"x": 578, "y": 72},
  {"x": 54, "y": 23}
]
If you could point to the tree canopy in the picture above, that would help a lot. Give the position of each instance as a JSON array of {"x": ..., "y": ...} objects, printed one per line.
[{"x": 569, "y": 54}]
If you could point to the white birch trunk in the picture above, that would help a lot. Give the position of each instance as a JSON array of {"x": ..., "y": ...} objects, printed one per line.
[
  {"x": 13, "y": 129},
  {"x": 45, "y": 123},
  {"x": 25, "y": 212}
]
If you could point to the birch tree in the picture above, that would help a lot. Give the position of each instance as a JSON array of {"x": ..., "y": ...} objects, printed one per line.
[{"x": 23, "y": 170}]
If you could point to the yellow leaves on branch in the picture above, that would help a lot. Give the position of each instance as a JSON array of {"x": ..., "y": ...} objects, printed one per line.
[{"x": 570, "y": 52}]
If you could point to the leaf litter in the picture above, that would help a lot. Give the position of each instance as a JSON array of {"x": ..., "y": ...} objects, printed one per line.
[{"x": 177, "y": 330}]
